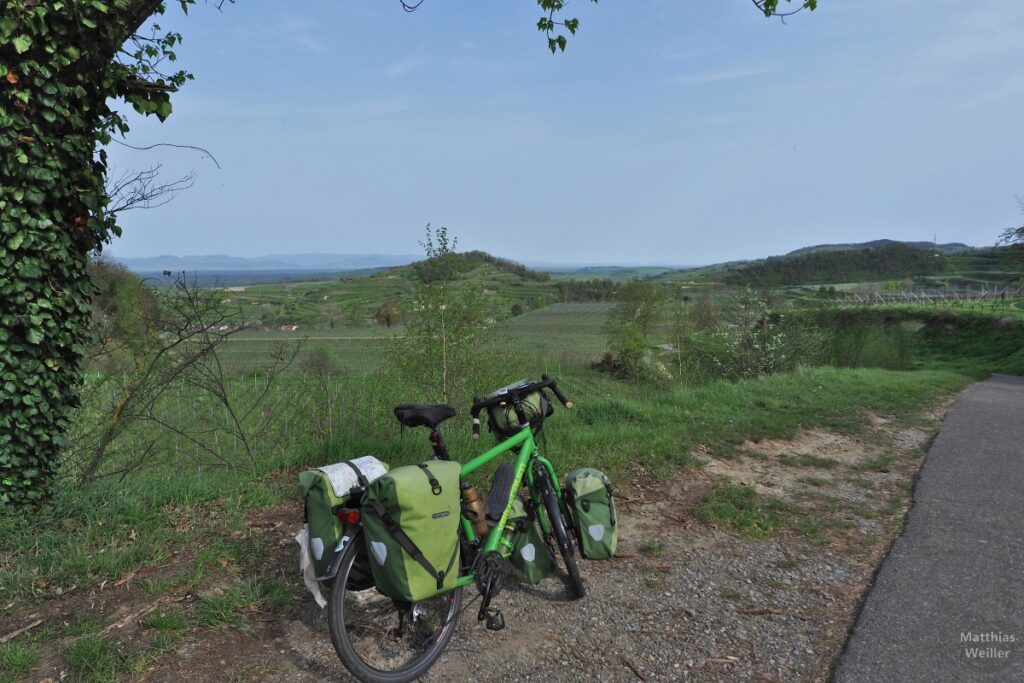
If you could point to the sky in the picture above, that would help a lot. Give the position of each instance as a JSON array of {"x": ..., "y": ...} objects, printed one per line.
[{"x": 669, "y": 132}]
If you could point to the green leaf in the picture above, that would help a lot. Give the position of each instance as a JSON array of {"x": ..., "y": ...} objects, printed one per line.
[
  {"x": 89, "y": 22},
  {"x": 34, "y": 336},
  {"x": 15, "y": 241},
  {"x": 22, "y": 44},
  {"x": 163, "y": 110}
]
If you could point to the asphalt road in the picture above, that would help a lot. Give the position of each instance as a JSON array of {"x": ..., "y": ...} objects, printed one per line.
[{"x": 948, "y": 601}]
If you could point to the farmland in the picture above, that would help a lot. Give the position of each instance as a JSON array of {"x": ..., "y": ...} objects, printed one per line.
[{"x": 175, "y": 498}]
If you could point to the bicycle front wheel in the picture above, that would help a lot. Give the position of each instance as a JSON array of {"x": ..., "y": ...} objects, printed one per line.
[
  {"x": 560, "y": 532},
  {"x": 382, "y": 640}
]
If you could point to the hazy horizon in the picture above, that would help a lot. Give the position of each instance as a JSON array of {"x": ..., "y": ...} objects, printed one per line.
[{"x": 408, "y": 258}]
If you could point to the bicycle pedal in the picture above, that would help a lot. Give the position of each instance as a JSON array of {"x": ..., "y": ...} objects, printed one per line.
[{"x": 495, "y": 620}]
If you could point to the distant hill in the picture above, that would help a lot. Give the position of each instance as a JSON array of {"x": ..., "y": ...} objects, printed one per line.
[
  {"x": 891, "y": 261},
  {"x": 948, "y": 249},
  {"x": 282, "y": 263},
  {"x": 616, "y": 273},
  {"x": 468, "y": 261}
]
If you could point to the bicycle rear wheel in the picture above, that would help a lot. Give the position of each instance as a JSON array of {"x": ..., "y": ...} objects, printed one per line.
[
  {"x": 381, "y": 640},
  {"x": 559, "y": 532}
]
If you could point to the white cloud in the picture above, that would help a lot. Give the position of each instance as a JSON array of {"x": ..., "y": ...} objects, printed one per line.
[
  {"x": 403, "y": 67},
  {"x": 719, "y": 76}
]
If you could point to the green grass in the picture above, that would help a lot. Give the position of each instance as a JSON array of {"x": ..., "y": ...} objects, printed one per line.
[
  {"x": 807, "y": 461},
  {"x": 166, "y": 621},
  {"x": 879, "y": 463},
  {"x": 223, "y": 609},
  {"x": 106, "y": 530},
  {"x": 97, "y": 659},
  {"x": 16, "y": 660},
  {"x": 115, "y": 528},
  {"x": 740, "y": 508},
  {"x": 652, "y": 548}
]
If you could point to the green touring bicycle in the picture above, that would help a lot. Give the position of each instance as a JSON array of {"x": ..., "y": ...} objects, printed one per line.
[{"x": 383, "y": 639}]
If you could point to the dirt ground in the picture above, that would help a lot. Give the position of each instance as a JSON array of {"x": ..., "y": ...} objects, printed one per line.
[{"x": 681, "y": 601}]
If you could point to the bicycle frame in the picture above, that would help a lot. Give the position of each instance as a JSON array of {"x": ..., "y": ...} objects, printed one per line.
[{"x": 527, "y": 454}]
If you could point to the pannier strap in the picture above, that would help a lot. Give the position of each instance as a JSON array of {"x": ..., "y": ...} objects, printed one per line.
[
  {"x": 611, "y": 506},
  {"x": 359, "y": 475},
  {"x": 409, "y": 547},
  {"x": 435, "y": 485}
]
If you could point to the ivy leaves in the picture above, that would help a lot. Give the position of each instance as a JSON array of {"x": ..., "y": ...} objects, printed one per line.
[{"x": 61, "y": 66}]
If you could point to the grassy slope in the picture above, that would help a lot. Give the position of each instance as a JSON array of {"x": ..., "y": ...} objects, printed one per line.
[
  {"x": 325, "y": 304},
  {"x": 104, "y": 532}
]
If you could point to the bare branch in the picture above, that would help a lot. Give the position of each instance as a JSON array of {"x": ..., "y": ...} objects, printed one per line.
[
  {"x": 171, "y": 144},
  {"x": 141, "y": 190}
]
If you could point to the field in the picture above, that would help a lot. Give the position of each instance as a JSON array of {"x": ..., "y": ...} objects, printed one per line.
[{"x": 187, "y": 520}]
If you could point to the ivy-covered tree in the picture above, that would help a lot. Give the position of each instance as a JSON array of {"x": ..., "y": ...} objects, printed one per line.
[
  {"x": 61, "y": 65},
  {"x": 62, "y": 62}
]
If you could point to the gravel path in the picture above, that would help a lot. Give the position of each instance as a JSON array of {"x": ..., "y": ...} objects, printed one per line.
[{"x": 704, "y": 605}]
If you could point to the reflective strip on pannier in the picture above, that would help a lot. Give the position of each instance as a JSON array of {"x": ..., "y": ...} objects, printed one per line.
[
  {"x": 588, "y": 494},
  {"x": 410, "y": 521}
]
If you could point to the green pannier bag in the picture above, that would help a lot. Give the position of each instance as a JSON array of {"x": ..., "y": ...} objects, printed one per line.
[
  {"x": 530, "y": 554},
  {"x": 588, "y": 494},
  {"x": 325, "y": 490},
  {"x": 504, "y": 422},
  {"x": 411, "y": 522}
]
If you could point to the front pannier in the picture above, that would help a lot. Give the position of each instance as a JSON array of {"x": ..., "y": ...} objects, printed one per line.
[
  {"x": 530, "y": 554},
  {"x": 588, "y": 494},
  {"x": 410, "y": 520}
]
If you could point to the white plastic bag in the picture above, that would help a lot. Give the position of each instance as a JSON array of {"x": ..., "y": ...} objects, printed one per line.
[{"x": 306, "y": 567}]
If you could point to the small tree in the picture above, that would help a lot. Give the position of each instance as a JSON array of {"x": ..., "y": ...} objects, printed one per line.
[
  {"x": 444, "y": 349},
  {"x": 1014, "y": 237},
  {"x": 639, "y": 309},
  {"x": 324, "y": 370},
  {"x": 388, "y": 314},
  {"x": 354, "y": 314},
  {"x": 639, "y": 302},
  {"x": 703, "y": 313}
]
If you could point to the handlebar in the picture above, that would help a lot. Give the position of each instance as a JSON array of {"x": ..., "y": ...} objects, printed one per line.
[
  {"x": 514, "y": 393},
  {"x": 558, "y": 392}
]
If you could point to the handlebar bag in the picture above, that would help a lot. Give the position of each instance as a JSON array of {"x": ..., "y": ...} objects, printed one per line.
[
  {"x": 530, "y": 555},
  {"x": 504, "y": 423},
  {"x": 325, "y": 490},
  {"x": 410, "y": 522},
  {"x": 588, "y": 494}
]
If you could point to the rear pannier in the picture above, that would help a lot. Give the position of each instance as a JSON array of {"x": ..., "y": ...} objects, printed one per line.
[
  {"x": 410, "y": 520},
  {"x": 325, "y": 491},
  {"x": 588, "y": 494}
]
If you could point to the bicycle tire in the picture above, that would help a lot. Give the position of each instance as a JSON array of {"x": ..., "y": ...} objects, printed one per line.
[
  {"x": 562, "y": 536},
  {"x": 338, "y": 611}
]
